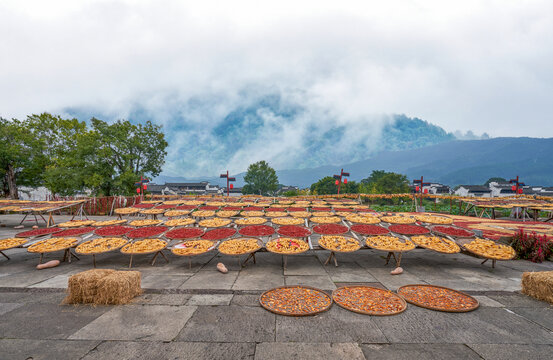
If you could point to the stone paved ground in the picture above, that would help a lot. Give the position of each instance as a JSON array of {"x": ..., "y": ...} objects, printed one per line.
[{"x": 199, "y": 313}]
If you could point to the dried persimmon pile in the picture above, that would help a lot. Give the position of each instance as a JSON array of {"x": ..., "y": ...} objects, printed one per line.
[
  {"x": 295, "y": 300},
  {"x": 369, "y": 300},
  {"x": 438, "y": 298}
]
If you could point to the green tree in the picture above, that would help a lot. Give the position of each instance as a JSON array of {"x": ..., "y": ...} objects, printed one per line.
[
  {"x": 382, "y": 182},
  {"x": 327, "y": 185},
  {"x": 494, "y": 179},
  {"x": 18, "y": 165},
  {"x": 260, "y": 179}
]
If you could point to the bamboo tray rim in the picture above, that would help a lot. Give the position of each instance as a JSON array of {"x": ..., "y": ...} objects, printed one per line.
[
  {"x": 44, "y": 252},
  {"x": 101, "y": 252},
  {"x": 14, "y": 246},
  {"x": 368, "y": 312},
  {"x": 296, "y": 314},
  {"x": 342, "y": 251},
  {"x": 435, "y": 307},
  {"x": 259, "y": 244},
  {"x": 441, "y": 252},
  {"x": 143, "y": 253},
  {"x": 285, "y": 253},
  {"x": 388, "y": 250},
  {"x": 121, "y": 222},
  {"x": 211, "y": 248}
]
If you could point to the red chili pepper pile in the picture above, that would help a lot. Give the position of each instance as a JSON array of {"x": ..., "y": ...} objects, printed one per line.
[
  {"x": 209, "y": 207},
  {"x": 146, "y": 231},
  {"x": 186, "y": 207},
  {"x": 252, "y": 208},
  {"x": 293, "y": 231},
  {"x": 296, "y": 209},
  {"x": 76, "y": 232},
  {"x": 144, "y": 206},
  {"x": 165, "y": 206},
  {"x": 219, "y": 233},
  {"x": 369, "y": 229},
  {"x": 231, "y": 208},
  {"x": 408, "y": 229},
  {"x": 113, "y": 230},
  {"x": 256, "y": 230},
  {"x": 184, "y": 233},
  {"x": 275, "y": 209},
  {"x": 321, "y": 209},
  {"x": 449, "y": 230},
  {"x": 330, "y": 229},
  {"x": 38, "y": 232}
]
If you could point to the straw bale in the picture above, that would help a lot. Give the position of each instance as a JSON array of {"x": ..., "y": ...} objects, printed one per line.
[
  {"x": 118, "y": 288},
  {"x": 538, "y": 285},
  {"x": 103, "y": 286}
]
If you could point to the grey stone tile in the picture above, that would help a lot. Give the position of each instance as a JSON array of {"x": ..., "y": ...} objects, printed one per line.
[
  {"x": 393, "y": 282},
  {"x": 210, "y": 280},
  {"x": 162, "y": 281},
  {"x": 229, "y": 324},
  {"x": 304, "y": 265},
  {"x": 542, "y": 316},
  {"x": 349, "y": 272},
  {"x": 47, "y": 321},
  {"x": 58, "y": 281},
  {"x": 334, "y": 326},
  {"x": 210, "y": 299},
  {"x": 486, "y": 301},
  {"x": 484, "y": 325},
  {"x": 301, "y": 351},
  {"x": 137, "y": 322},
  {"x": 418, "y": 351},
  {"x": 7, "y": 307},
  {"x": 124, "y": 350},
  {"x": 259, "y": 279},
  {"x": 162, "y": 299},
  {"x": 44, "y": 349},
  {"x": 320, "y": 282},
  {"x": 519, "y": 300},
  {"x": 513, "y": 351},
  {"x": 245, "y": 300}
]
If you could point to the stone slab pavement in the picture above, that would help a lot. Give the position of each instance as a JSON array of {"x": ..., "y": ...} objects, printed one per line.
[{"x": 198, "y": 313}]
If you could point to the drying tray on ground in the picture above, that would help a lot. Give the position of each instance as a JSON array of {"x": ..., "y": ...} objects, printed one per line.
[
  {"x": 295, "y": 300},
  {"x": 369, "y": 300},
  {"x": 438, "y": 298}
]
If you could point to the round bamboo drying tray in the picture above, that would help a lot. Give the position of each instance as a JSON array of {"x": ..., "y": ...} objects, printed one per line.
[
  {"x": 368, "y": 289},
  {"x": 435, "y": 307},
  {"x": 326, "y": 301}
]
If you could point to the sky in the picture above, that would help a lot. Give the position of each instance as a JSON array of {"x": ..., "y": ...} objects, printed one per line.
[{"x": 485, "y": 66}]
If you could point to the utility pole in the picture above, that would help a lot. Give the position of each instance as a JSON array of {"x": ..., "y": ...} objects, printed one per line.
[{"x": 339, "y": 179}]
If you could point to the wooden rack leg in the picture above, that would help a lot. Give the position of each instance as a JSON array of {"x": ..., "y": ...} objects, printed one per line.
[
  {"x": 154, "y": 258},
  {"x": 398, "y": 259},
  {"x": 329, "y": 258},
  {"x": 6, "y": 256},
  {"x": 388, "y": 258},
  {"x": 40, "y": 260},
  {"x": 163, "y": 255},
  {"x": 483, "y": 262},
  {"x": 130, "y": 262},
  {"x": 493, "y": 263}
]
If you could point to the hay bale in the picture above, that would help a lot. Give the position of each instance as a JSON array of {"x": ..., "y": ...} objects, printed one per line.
[
  {"x": 83, "y": 287},
  {"x": 103, "y": 286},
  {"x": 118, "y": 288},
  {"x": 538, "y": 285}
]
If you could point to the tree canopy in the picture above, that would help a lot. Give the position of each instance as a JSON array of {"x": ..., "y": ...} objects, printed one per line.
[
  {"x": 260, "y": 179},
  {"x": 382, "y": 182},
  {"x": 69, "y": 156},
  {"x": 327, "y": 185}
]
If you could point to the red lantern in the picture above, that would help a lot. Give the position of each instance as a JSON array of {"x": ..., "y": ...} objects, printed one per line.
[
  {"x": 417, "y": 188},
  {"x": 513, "y": 188},
  {"x": 345, "y": 181},
  {"x": 145, "y": 186},
  {"x": 138, "y": 190},
  {"x": 520, "y": 191},
  {"x": 231, "y": 186},
  {"x": 337, "y": 182},
  {"x": 426, "y": 191}
]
